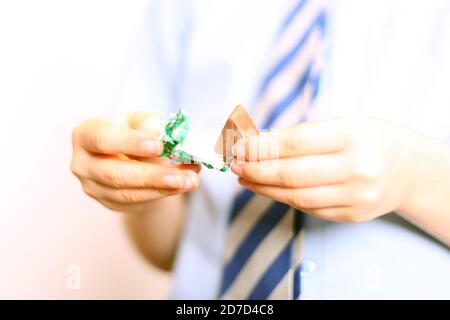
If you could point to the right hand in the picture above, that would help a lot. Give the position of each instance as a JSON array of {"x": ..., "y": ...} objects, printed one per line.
[{"x": 118, "y": 164}]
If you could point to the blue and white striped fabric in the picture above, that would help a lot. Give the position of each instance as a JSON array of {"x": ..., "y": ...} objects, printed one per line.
[{"x": 262, "y": 254}]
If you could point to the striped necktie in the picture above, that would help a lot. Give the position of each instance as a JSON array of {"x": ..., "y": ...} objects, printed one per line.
[{"x": 262, "y": 252}]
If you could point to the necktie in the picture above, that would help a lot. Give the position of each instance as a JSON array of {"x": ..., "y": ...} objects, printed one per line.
[{"x": 262, "y": 252}]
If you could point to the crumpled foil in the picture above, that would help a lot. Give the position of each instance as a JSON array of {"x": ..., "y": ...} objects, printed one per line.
[{"x": 175, "y": 132}]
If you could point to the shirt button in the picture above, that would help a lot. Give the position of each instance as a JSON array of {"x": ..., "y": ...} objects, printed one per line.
[{"x": 307, "y": 267}]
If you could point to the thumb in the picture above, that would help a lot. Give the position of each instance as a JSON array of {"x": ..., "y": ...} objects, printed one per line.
[{"x": 150, "y": 122}]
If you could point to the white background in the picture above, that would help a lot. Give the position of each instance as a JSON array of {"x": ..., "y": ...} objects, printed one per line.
[{"x": 59, "y": 62}]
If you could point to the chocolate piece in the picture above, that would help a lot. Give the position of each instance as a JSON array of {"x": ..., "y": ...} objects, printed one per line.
[{"x": 239, "y": 125}]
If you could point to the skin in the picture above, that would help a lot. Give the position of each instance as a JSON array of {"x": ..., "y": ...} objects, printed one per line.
[
  {"x": 351, "y": 170},
  {"x": 346, "y": 170},
  {"x": 117, "y": 163}
]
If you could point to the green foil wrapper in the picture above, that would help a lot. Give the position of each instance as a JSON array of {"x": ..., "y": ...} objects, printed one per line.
[{"x": 175, "y": 132}]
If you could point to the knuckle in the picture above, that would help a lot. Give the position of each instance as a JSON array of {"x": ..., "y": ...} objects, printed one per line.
[
  {"x": 87, "y": 188},
  {"x": 291, "y": 144},
  {"x": 366, "y": 169},
  {"x": 368, "y": 197},
  {"x": 75, "y": 168},
  {"x": 299, "y": 200},
  {"x": 113, "y": 179},
  {"x": 147, "y": 178},
  {"x": 288, "y": 177},
  {"x": 151, "y": 178},
  {"x": 284, "y": 177},
  {"x": 128, "y": 196}
]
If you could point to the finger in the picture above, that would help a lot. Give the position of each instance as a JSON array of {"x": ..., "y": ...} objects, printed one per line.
[
  {"x": 127, "y": 195},
  {"x": 166, "y": 162},
  {"x": 192, "y": 167},
  {"x": 118, "y": 173},
  {"x": 101, "y": 137},
  {"x": 348, "y": 214},
  {"x": 309, "y": 138},
  {"x": 123, "y": 207},
  {"x": 298, "y": 172},
  {"x": 303, "y": 198}
]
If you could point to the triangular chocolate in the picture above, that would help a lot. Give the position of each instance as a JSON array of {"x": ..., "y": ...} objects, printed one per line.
[{"x": 239, "y": 125}]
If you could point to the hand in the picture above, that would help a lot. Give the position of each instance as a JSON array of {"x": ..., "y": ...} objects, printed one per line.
[
  {"x": 349, "y": 170},
  {"x": 117, "y": 163}
]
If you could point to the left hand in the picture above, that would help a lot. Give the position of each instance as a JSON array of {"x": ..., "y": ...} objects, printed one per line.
[{"x": 349, "y": 169}]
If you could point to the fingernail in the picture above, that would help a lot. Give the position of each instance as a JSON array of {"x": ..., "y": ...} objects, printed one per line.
[
  {"x": 188, "y": 183},
  {"x": 193, "y": 180},
  {"x": 173, "y": 181},
  {"x": 150, "y": 147},
  {"x": 236, "y": 169}
]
